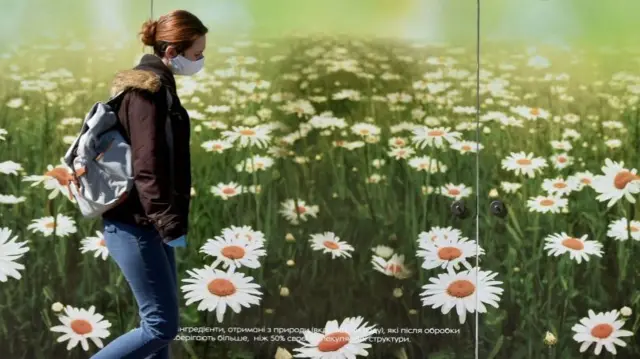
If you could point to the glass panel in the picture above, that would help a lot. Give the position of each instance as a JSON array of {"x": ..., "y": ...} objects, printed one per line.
[
  {"x": 332, "y": 91},
  {"x": 331, "y": 144},
  {"x": 558, "y": 180},
  {"x": 56, "y": 60}
]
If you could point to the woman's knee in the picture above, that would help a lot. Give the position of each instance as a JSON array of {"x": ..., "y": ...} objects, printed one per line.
[{"x": 165, "y": 329}]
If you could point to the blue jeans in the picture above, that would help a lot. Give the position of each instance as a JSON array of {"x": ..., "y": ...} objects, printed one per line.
[{"x": 149, "y": 267}]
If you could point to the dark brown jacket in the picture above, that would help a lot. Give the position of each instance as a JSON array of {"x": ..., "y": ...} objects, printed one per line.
[{"x": 154, "y": 200}]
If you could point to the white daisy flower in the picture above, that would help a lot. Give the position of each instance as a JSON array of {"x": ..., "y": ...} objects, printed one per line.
[
  {"x": 583, "y": 179},
  {"x": 427, "y": 164},
  {"x": 383, "y": 251},
  {"x": 448, "y": 253},
  {"x": 465, "y": 147},
  {"x": 327, "y": 121},
  {"x": 298, "y": 213},
  {"x": 234, "y": 252},
  {"x": 560, "y": 186},
  {"x": 10, "y": 251},
  {"x": 434, "y": 137},
  {"x": 10, "y": 168},
  {"x": 467, "y": 291},
  {"x": 531, "y": 113},
  {"x": 328, "y": 242},
  {"x": 56, "y": 179},
  {"x": 11, "y": 199},
  {"x": 561, "y": 160},
  {"x": 561, "y": 145},
  {"x": 393, "y": 267},
  {"x": 510, "y": 187},
  {"x": 525, "y": 164},
  {"x": 243, "y": 232},
  {"x": 258, "y": 136},
  {"x": 62, "y": 226},
  {"x": 401, "y": 152},
  {"x": 397, "y": 142},
  {"x": 80, "y": 324},
  {"x": 365, "y": 129},
  {"x": 227, "y": 190},
  {"x": 436, "y": 233},
  {"x": 620, "y": 229},
  {"x": 346, "y": 340},
  {"x": 455, "y": 191},
  {"x": 254, "y": 164},
  {"x": 216, "y": 290},
  {"x": 603, "y": 329},
  {"x": 95, "y": 244},
  {"x": 217, "y": 146},
  {"x": 547, "y": 204},
  {"x": 578, "y": 248},
  {"x": 616, "y": 183}
]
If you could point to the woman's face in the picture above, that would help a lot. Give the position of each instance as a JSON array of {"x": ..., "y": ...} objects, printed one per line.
[
  {"x": 196, "y": 51},
  {"x": 193, "y": 53}
]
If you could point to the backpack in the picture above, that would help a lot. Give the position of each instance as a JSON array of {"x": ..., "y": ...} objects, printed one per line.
[{"x": 100, "y": 159}]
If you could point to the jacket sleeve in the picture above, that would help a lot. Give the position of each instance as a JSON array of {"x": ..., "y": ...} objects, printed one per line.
[{"x": 147, "y": 115}]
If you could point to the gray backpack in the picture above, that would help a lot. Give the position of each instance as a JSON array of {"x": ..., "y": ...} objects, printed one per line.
[{"x": 100, "y": 159}]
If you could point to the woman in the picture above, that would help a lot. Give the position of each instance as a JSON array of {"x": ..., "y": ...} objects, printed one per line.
[{"x": 141, "y": 231}]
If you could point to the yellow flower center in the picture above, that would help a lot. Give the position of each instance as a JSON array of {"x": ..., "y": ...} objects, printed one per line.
[
  {"x": 535, "y": 111},
  {"x": 435, "y": 133},
  {"x": 61, "y": 175},
  {"x": 524, "y": 162},
  {"x": 50, "y": 225},
  {"x": 248, "y": 132},
  {"x": 221, "y": 287},
  {"x": 454, "y": 191},
  {"x": 331, "y": 245},
  {"x": 229, "y": 190},
  {"x": 560, "y": 185},
  {"x": 573, "y": 243},
  {"x": 394, "y": 268},
  {"x": 449, "y": 253},
  {"x": 547, "y": 202},
  {"x": 102, "y": 243},
  {"x": 233, "y": 252},
  {"x": 333, "y": 342},
  {"x": 623, "y": 178},
  {"x": 466, "y": 148},
  {"x": 461, "y": 288},
  {"x": 602, "y": 331},
  {"x": 81, "y": 326}
]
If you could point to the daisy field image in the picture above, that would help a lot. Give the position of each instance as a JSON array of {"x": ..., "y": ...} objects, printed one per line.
[{"x": 370, "y": 179}]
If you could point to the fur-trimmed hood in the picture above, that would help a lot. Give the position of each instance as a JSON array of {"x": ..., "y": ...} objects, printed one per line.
[
  {"x": 149, "y": 75},
  {"x": 136, "y": 79}
]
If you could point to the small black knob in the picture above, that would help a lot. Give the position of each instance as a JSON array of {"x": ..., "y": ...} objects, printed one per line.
[
  {"x": 498, "y": 209},
  {"x": 459, "y": 209}
]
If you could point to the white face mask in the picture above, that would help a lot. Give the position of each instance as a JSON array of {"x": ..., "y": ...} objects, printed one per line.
[{"x": 180, "y": 65}]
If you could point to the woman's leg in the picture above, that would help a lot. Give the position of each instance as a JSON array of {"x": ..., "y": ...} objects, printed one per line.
[
  {"x": 165, "y": 351},
  {"x": 149, "y": 268}
]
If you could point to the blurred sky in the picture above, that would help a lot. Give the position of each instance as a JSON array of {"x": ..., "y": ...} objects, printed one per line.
[{"x": 559, "y": 21}]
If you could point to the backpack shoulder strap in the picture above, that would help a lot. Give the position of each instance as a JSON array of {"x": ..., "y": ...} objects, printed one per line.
[{"x": 169, "y": 134}]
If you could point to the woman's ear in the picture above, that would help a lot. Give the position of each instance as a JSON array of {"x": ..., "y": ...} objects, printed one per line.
[{"x": 170, "y": 52}]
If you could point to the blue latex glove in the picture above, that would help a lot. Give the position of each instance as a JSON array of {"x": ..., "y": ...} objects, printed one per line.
[{"x": 178, "y": 242}]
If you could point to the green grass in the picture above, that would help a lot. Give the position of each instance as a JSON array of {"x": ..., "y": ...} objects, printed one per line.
[{"x": 541, "y": 292}]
